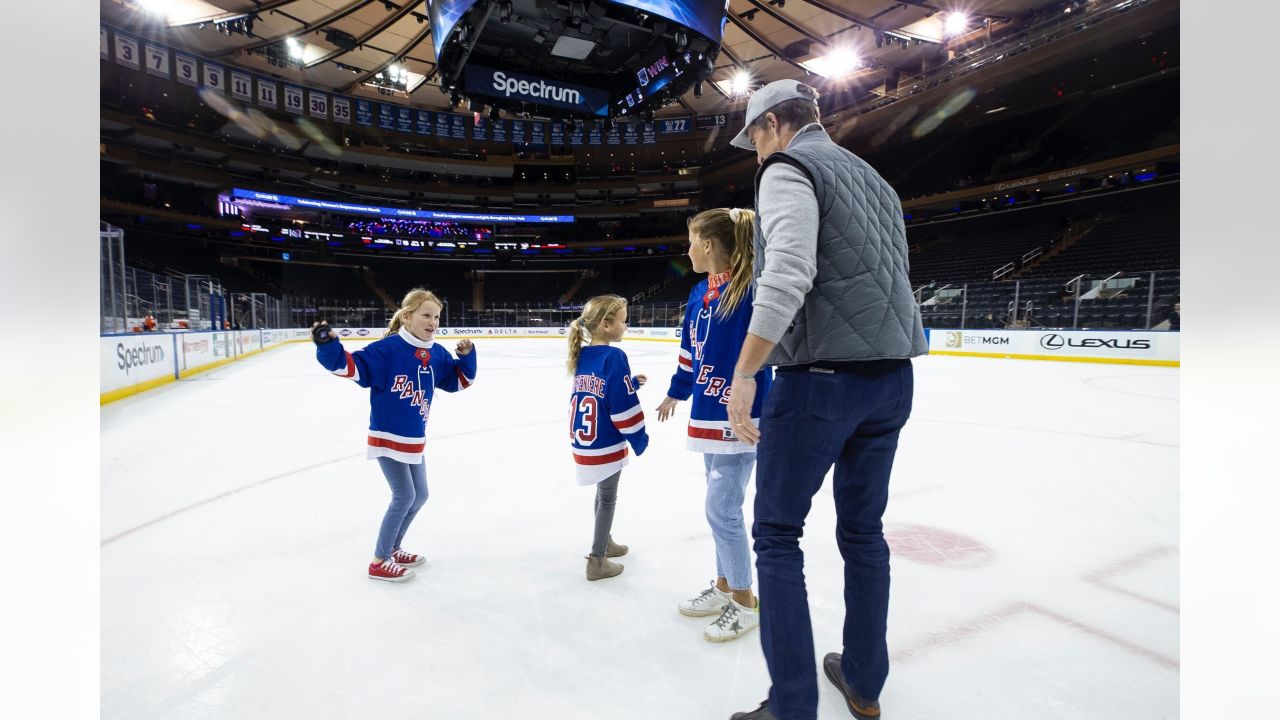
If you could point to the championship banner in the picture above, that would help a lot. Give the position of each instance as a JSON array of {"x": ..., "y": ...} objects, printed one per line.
[
  {"x": 267, "y": 93},
  {"x": 594, "y": 136},
  {"x": 364, "y": 113},
  {"x": 499, "y": 130},
  {"x": 557, "y": 133},
  {"x": 423, "y": 122},
  {"x": 404, "y": 120},
  {"x": 157, "y": 61},
  {"x": 215, "y": 78},
  {"x": 184, "y": 67},
  {"x": 386, "y": 117},
  {"x": 517, "y": 132},
  {"x": 459, "y": 129},
  {"x": 318, "y": 105},
  {"x": 673, "y": 126},
  {"x": 575, "y": 135},
  {"x": 293, "y": 99},
  {"x": 631, "y": 134},
  {"x": 538, "y": 133},
  {"x": 648, "y": 133},
  {"x": 480, "y": 129},
  {"x": 104, "y": 44},
  {"x": 241, "y": 86},
  {"x": 126, "y": 51},
  {"x": 442, "y": 125},
  {"x": 614, "y": 136}
]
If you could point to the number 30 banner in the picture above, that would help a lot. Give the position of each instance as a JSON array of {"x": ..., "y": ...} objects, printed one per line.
[{"x": 319, "y": 105}]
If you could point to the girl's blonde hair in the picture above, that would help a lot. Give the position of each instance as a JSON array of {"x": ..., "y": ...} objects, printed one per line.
[
  {"x": 409, "y": 305},
  {"x": 594, "y": 313},
  {"x": 733, "y": 231}
]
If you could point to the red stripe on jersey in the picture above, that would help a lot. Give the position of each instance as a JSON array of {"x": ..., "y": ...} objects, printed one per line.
[
  {"x": 708, "y": 433},
  {"x": 686, "y": 363},
  {"x": 599, "y": 459},
  {"x": 351, "y": 367},
  {"x": 462, "y": 379},
  {"x": 393, "y": 445},
  {"x": 629, "y": 422}
]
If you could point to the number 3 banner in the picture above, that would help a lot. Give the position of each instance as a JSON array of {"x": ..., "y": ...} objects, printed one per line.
[
  {"x": 185, "y": 67},
  {"x": 157, "y": 61},
  {"x": 104, "y": 45},
  {"x": 126, "y": 51},
  {"x": 215, "y": 78},
  {"x": 293, "y": 99}
]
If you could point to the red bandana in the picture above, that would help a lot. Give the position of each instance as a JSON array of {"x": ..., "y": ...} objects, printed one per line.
[
  {"x": 714, "y": 282},
  {"x": 423, "y": 355}
]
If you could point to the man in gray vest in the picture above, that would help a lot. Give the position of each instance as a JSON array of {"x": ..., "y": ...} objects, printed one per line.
[{"x": 834, "y": 313}]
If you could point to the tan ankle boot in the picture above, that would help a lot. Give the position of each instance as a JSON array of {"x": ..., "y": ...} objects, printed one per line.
[
  {"x": 613, "y": 549},
  {"x": 600, "y": 567}
]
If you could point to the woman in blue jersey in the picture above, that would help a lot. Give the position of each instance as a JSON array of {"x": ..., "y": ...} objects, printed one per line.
[
  {"x": 604, "y": 415},
  {"x": 402, "y": 371},
  {"x": 715, "y": 326}
]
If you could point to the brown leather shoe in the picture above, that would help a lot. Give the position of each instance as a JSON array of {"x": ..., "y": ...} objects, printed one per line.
[
  {"x": 861, "y": 709},
  {"x": 761, "y": 713}
]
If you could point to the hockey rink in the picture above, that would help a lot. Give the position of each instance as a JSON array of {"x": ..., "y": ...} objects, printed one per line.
[{"x": 1033, "y": 521}]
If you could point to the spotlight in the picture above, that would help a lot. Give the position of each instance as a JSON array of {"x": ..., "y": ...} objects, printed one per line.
[
  {"x": 955, "y": 23},
  {"x": 740, "y": 83}
]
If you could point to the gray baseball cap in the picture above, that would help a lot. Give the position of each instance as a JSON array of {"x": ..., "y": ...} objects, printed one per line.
[{"x": 765, "y": 98}]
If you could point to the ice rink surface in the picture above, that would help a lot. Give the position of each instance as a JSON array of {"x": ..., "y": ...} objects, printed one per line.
[{"x": 1033, "y": 521}]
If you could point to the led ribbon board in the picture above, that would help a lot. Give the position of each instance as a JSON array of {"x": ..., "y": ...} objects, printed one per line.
[{"x": 335, "y": 206}]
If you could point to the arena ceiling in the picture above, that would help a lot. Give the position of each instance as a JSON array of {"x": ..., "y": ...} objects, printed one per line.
[{"x": 345, "y": 43}]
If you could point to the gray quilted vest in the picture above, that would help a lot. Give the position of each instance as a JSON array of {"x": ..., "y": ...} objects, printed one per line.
[{"x": 861, "y": 306}]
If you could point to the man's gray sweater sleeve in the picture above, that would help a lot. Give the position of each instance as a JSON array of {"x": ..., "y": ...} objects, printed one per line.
[{"x": 789, "y": 213}]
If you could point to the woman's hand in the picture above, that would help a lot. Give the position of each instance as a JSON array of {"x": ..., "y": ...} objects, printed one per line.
[{"x": 667, "y": 408}]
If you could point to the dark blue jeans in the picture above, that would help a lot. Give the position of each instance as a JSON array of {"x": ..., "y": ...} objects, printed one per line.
[{"x": 811, "y": 420}]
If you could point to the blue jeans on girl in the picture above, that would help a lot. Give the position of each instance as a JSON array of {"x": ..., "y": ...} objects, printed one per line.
[
  {"x": 727, "y": 477},
  {"x": 408, "y": 493}
]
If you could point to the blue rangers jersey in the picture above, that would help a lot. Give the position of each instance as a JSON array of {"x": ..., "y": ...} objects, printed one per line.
[
  {"x": 604, "y": 414},
  {"x": 402, "y": 374},
  {"x": 709, "y": 348}
]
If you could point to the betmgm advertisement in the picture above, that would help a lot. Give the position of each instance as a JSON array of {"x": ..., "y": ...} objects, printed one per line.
[{"x": 1133, "y": 348}]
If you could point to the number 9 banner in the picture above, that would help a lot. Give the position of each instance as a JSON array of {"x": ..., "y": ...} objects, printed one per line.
[{"x": 215, "y": 78}]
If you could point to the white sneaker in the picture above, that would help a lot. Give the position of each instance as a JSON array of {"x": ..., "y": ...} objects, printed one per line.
[
  {"x": 710, "y": 602},
  {"x": 734, "y": 622}
]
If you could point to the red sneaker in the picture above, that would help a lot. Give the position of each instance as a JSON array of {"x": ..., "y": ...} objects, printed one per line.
[
  {"x": 389, "y": 570},
  {"x": 407, "y": 559}
]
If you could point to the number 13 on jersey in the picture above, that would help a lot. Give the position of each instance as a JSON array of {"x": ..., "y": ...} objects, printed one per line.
[{"x": 583, "y": 418}]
